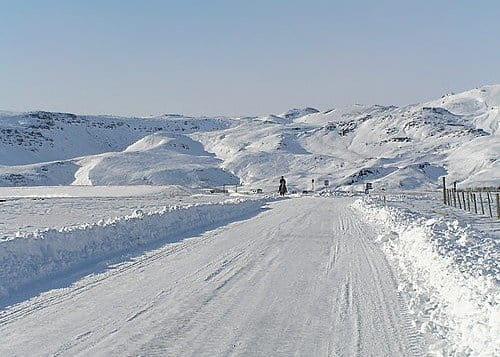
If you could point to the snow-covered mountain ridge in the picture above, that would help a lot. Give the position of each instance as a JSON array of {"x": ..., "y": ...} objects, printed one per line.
[{"x": 396, "y": 148}]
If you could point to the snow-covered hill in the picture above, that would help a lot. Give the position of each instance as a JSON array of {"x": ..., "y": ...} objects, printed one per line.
[{"x": 396, "y": 148}]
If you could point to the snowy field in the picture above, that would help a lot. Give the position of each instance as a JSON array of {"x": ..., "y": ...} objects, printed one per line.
[
  {"x": 326, "y": 274},
  {"x": 27, "y": 209},
  {"x": 115, "y": 237},
  {"x": 303, "y": 276}
]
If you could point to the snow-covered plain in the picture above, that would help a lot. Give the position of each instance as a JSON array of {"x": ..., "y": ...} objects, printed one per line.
[
  {"x": 27, "y": 209},
  {"x": 304, "y": 277},
  {"x": 113, "y": 240},
  {"x": 26, "y": 258}
]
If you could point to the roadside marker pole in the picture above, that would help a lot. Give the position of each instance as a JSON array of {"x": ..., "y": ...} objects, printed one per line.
[
  {"x": 497, "y": 198},
  {"x": 455, "y": 193},
  {"x": 489, "y": 204},
  {"x": 444, "y": 190}
]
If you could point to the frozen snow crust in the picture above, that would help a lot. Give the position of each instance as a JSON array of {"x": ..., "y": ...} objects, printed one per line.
[
  {"x": 28, "y": 257},
  {"x": 448, "y": 274}
]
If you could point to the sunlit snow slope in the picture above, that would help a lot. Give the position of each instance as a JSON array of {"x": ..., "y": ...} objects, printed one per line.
[{"x": 396, "y": 148}]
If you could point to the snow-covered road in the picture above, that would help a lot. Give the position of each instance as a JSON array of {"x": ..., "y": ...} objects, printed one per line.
[{"x": 304, "y": 277}]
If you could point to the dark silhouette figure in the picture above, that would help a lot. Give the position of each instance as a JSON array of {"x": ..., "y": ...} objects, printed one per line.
[{"x": 282, "y": 190}]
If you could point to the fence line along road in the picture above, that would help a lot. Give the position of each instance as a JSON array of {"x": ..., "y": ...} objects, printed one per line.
[{"x": 479, "y": 200}]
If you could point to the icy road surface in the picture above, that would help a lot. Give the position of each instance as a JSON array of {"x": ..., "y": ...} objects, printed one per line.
[{"x": 304, "y": 278}]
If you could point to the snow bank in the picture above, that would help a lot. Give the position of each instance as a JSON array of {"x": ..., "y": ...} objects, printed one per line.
[
  {"x": 448, "y": 273},
  {"x": 28, "y": 257}
]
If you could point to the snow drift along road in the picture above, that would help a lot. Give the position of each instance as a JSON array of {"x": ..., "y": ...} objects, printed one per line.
[
  {"x": 303, "y": 278},
  {"x": 448, "y": 273},
  {"x": 27, "y": 257}
]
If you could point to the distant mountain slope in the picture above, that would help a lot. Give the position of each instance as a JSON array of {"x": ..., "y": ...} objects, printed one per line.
[
  {"x": 481, "y": 106},
  {"x": 395, "y": 148},
  {"x": 27, "y": 138}
]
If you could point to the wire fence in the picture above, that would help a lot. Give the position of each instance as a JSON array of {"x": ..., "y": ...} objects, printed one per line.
[{"x": 484, "y": 201}]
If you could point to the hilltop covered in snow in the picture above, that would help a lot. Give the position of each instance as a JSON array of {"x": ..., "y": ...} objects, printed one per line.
[{"x": 396, "y": 148}]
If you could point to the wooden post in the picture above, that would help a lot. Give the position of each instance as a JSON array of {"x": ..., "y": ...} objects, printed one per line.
[
  {"x": 459, "y": 203},
  {"x": 475, "y": 203},
  {"x": 497, "y": 198},
  {"x": 463, "y": 200},
  {"x": 236, "y": 188},
  {"x": 454, "y": 197},
  {"x": 449, "y": 197},
  {"x": 444, "y": 190},
  {"x": 468, "y": 201},
  {"x": 489, "y": 204},
  {"x": 482, "y": 204}
]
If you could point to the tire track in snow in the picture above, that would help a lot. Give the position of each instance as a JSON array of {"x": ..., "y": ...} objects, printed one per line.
[{"x": 303, "y": 278}]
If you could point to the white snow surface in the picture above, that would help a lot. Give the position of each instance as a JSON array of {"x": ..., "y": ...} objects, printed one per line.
[
  {"x": 304, "y": 277},
  {"x": 448, "y": 273},
  {"x": 28, "y": 209},
  {"x": 115, "y": 238},
  {"x": 28, "y": 257},
  {"x": 396, "y": 148}
]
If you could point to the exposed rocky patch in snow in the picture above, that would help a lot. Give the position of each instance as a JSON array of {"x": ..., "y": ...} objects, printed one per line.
[{"x": 34, "y": 137}]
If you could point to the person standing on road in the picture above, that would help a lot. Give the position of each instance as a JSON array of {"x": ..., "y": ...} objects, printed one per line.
[{"x": 282, "y": 190}]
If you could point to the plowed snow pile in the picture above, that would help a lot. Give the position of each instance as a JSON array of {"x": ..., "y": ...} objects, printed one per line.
[
  {"x": 27, "y": 257},
  {"x": 448, "y": 273}
]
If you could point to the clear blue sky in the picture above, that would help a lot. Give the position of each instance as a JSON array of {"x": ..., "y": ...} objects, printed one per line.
[{"x": 239, "y": 56}]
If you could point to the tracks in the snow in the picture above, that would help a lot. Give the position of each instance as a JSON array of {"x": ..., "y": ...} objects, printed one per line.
[{"x": 304, "y": 278}]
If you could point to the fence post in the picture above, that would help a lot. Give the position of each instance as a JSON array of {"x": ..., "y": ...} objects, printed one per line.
[
  {"x": 489, "y": 204},
  {"x": 475, "y": 204},
  {"x": 468, "y": 201},
  {"x": 463, "y": 200},
  {"x": 459, "y": 203},
  {"x": 454, "y": 192},
  {"x": 497, "y": 198},
  {"x": 482, "y": 204},
  {"x": 444, "y": 190}
]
